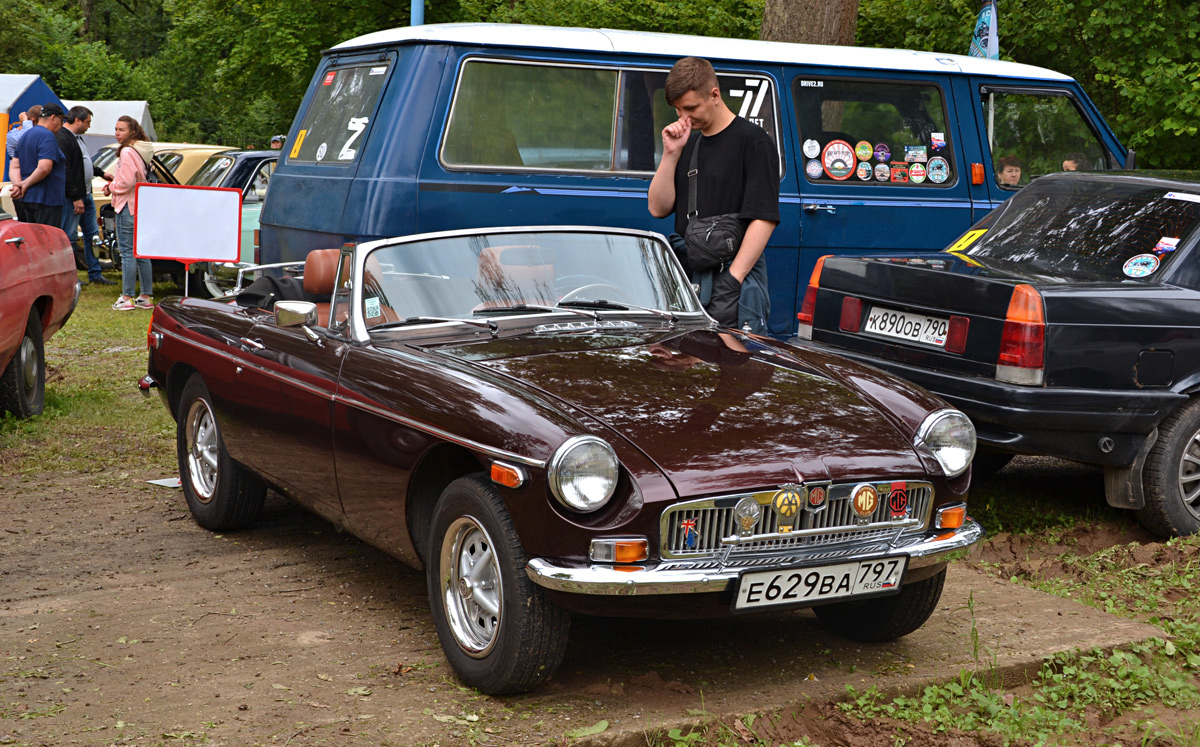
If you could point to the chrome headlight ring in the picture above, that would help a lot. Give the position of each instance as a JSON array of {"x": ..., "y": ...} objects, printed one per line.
[
  {"x": 583, "y": 473},
  {"x": 950, "y": 437}
]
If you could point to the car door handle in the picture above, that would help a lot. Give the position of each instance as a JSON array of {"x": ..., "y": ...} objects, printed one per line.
[
  {"x": 811, "y": 208},
  {"x": 16, "y": 241},
  {"x": 252, "y": 346}
]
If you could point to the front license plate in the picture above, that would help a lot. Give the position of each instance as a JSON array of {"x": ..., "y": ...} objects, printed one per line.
[
  {"x": 816, "y": 584},
  {"x": 930, "y": 330}
]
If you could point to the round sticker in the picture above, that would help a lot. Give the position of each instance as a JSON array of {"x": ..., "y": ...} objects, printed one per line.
[
  {"x": 1140, "y": 266},
  {"x": 939, "y": 169},
  {"x": 882, "y": 152},
  {"x": 883, "y": 172},
  {"x": 811, "y": 148},
  {"x": 813, "y": 169},
  {"x": 838, "y": 159},
  {"x": 321, "y": 151},
  {"x": 916, "y": 173},
  {"x": 862, "y": 149},
  {"x": 864, "y": 171}
]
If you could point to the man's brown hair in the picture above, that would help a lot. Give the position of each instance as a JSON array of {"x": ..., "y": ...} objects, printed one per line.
[
  {"x": 34, "y": 113},
  {"x": 690, "y": 74}
]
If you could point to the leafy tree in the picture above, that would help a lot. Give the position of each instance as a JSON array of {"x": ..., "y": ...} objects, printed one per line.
[{"x": 728, "y": 18}]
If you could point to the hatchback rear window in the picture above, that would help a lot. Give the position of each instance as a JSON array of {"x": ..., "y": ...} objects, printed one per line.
[
  {"x": 1089, "y": 229},
  {"x": 334, "y": 127}
]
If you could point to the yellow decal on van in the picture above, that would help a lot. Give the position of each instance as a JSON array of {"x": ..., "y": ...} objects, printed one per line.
[{"x": 296, "y": 146}]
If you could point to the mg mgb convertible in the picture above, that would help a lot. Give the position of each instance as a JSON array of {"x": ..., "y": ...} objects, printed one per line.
[{"x": 546, "y": 421}]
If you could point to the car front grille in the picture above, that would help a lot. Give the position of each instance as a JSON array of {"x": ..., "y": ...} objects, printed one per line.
[{"x": 706, "y": 527}]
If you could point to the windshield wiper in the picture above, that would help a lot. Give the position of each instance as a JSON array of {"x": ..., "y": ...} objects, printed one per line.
[
  {"x": 488, "y": 323},
  {"x": 538, "y": 307},
  {"x": 623, "y": 306}
]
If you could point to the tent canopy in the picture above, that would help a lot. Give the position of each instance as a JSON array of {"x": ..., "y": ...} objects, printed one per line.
[
  {"x": 104, "y": 120},
  {"x": 17, "y": 94}
]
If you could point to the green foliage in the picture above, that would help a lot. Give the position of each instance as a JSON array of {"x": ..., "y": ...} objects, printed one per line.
[
  {"x": 727, "y": 18},
  {"x": 1144, "y": 76},
  {"x": 30, "y": 28}
]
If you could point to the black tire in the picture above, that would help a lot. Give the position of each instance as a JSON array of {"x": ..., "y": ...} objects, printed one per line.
[
  {"x": 1171, "y": 476},
  {"x": 221, "y": 494},
  {"x": 499, "y": 632},
  {"x": 885, "y": 618},
  {"x": 988, "y": 463},
  {"x": 23, "y": 383}
]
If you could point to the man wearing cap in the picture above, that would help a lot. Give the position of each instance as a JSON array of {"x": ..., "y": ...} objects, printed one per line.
[
  {"x": 79, "y": 209},
  {"x": 44, "y": 190},
  {"x": 277, "y": 142},
  {"x": 28, "y": 119}
]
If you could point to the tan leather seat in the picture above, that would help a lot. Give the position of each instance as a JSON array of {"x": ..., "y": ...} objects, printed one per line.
[
  {"x": 508, "y": 273},
  {"x": 320, "y": 273}
]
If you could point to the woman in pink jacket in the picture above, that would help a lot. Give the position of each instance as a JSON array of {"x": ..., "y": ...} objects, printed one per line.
[{"x": 134, "y": 153}]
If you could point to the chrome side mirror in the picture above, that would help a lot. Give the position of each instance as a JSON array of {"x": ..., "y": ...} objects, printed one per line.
[{"x": 295, "y": 314}]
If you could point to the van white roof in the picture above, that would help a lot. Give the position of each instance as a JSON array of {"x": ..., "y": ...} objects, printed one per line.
[{"x": 677, "y": 45}]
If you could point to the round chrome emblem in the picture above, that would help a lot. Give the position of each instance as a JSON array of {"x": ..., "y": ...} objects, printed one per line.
[
  {"x": 746, "y": 513},
  {"x": 865, "y": 499},
  {"x": 787, "y": 502}
]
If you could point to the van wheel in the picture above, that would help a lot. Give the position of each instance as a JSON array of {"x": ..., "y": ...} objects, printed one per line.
[
  {"x": 220, "y": 493},
  {"x": 884, "y": 618},
  {"x": 497, "y": 628},
  {"x": 1171, "y": 477},
  {"x": 23, "y": 383}
]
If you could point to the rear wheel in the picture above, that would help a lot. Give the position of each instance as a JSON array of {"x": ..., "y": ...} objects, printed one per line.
[
  {"x": 23, "y": 383},
  {"x": 1171, "y": 477},
  {"x": 498, "y": 630},
  {"x": 220, "y": 493},
  {"x": 885, "y": 618}
]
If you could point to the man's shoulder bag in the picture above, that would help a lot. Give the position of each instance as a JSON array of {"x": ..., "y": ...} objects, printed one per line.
[{"x": 714, "y": 241}]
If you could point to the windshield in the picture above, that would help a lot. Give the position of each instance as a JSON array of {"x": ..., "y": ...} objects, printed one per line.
[
  {"x": 212, "y": 172},
  {"x": 1093, "y": 228},
  {"x": 105, "y": 157},
  {"x": 484, "y": 275}
]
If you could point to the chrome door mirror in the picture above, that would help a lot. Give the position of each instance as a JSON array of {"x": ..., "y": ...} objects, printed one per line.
[{"x": 295, "y": 314}]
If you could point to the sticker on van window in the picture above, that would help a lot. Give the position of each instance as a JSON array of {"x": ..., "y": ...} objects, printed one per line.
[
  {"x": 329, "y": 76},
  {"x": 838, "y": 159},
  {"x": 811, "y": 148},
  {"x": 296, "y": 145},
  {"x": 900, "y": 172},
  {"x": 356, "y": 125},
  {"x": 937, "y": 140},
  {"x": 863, "y": 171},
  {"x": 862, "y": 149},
  {"x": 321, "y": 151},
  {"x": 939, "y": 169},
  {"x": 813, "y": 169},
  {"x": 1188, "y": 197},
  {"x": 916, "y": 173},
  {"x": 1165, "y": 244},
  {"x": 915, "y": 154},
  {"x": 1141, "y": 265},
  {"x": 966, "y": 240},
  {"x": 752, "y": 97},
  {"x": 882, "y": 152},
  {"x": 378, "y": 70},
  {"x": 812, "y": 84},
  {"x": 882, "y": 172}
]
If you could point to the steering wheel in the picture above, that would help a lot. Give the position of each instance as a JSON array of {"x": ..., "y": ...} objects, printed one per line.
[{"x": 614, "y": 294}]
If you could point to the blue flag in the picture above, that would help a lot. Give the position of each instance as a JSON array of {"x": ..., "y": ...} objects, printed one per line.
[{"x": 985, "y": 41}]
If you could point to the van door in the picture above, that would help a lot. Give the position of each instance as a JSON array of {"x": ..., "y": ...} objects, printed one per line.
[
  {"x": 881, "y": 164},
  {"x": 1030, "y": 128}
]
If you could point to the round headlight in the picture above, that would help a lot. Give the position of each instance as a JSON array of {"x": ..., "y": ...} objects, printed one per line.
[
  {"x": 583, "y": 473},
  {"x": 951, "y": 437}
]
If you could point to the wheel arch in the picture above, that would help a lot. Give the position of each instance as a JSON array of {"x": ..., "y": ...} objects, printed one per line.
[
  {"x": 440, "y": 466},
  {"x": 177, "y": 379}
]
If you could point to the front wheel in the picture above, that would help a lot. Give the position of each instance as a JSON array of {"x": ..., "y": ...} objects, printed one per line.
[
  {"x": 1171, "y": 477},
  {"x": 23, "y": 383},
  {"x": 885, "y": 618},
  {"x": 497, "y": 629},
  {"x": 220, "y": 493}
]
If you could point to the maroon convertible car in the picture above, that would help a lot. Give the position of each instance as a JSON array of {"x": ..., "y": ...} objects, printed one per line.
[{"x": 546, "y": 421}]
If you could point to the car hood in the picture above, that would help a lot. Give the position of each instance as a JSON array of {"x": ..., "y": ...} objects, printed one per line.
[{"x": 720, "y": 411}]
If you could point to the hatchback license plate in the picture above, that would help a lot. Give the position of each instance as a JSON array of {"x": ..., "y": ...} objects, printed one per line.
[
  {"x": 814, "y": 584},
  {"x": 930, "y": 330}
]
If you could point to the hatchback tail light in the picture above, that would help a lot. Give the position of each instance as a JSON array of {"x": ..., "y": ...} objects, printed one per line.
[
  {"x": 1023, "y": 342},
  {"x": 809, "y": 305}
]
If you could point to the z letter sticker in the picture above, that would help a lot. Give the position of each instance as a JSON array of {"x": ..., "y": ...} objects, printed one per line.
[{"x": 356, "y": 126}]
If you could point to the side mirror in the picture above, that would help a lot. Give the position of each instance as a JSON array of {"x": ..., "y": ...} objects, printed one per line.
[{"x": 295, "y": 314}]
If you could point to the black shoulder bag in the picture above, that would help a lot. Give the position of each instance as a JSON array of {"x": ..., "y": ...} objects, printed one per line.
[{"x": 711, "y": 242}]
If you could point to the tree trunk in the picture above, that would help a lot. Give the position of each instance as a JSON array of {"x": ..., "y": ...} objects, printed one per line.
[{"x": 810, "y": 21}]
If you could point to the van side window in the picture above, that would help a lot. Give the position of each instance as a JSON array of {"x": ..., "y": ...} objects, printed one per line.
[
  {"x": 530, "y": 117},
  {"x": 885, "y": 133},
  {"x": 334, "y": 127},
  {"x": 1041, "y": 131}
]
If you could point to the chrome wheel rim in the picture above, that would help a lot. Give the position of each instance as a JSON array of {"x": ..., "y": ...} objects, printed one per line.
[
  {"x": 200, "y": 431},
  {"x": 1189, "y": 476},
  {"x": 28, "y": 361},
  {"x": 472, "y": 592}
]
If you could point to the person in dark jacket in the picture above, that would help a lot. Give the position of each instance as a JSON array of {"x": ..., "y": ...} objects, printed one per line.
[{"x": 80, "y": 171}]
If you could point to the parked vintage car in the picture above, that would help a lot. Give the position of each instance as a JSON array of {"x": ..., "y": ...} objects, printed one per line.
[
  {"x": 38, "y": 293},
  {"x": 1065, "y": 322},
  {"x": 247, "y": 170},
  {"x": 547, "y": 421}
]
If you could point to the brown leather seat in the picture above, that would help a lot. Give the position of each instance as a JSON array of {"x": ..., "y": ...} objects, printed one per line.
[
  {"x": 320, "y": 273},
  {"x": 514, "y": 274}
]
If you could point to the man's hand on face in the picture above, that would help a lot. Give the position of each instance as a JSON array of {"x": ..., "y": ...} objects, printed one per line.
[{"x": 676, "y": 134}]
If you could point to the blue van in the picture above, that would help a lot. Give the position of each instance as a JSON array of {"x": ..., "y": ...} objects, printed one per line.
[{"x": 438, "y": 127}]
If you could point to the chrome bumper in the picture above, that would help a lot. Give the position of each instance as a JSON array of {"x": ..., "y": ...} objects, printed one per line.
[{"x": 701, "y": 577}]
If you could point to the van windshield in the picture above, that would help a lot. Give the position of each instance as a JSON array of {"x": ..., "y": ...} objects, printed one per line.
[{"x": 1086, "y": 228}]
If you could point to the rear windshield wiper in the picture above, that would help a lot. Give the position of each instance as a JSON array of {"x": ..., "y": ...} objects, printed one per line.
[
  {"x": 622, "y": 306},
  {"x": 434, "y": 319},
  {"x": 538, "y": 307}
]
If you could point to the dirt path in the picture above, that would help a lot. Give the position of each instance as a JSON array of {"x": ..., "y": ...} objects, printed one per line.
[{"x": 122, "y": 622}]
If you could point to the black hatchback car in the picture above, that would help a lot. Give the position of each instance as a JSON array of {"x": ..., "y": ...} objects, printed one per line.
[{"x": 1066, "y": 322}]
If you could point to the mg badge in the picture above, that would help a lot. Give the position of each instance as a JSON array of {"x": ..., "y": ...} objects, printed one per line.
[
  {"x": 787, "y": 504},
  {"x": 816, "y": 499},
  {"x": 865, "y": 499},
  {"x": 746, "y": 513},
  {"x": 898, "y": 500}
]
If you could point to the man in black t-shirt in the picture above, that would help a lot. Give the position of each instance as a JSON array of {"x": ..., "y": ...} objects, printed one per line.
[{"x": 738, "y": 172}]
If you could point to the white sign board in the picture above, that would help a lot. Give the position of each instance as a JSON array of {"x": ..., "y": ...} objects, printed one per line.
[{"x": 188, "y": 224}]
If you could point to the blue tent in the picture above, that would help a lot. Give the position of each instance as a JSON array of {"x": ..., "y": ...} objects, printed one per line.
[{"x": 17, "y": 94}]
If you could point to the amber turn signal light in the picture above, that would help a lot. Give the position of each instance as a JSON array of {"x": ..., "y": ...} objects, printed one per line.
[
  {"x": 620, "y": 550},
  {"x": 977, "y": 173},
  {"x": 951, "y": 517},
  {"x": 507, "y": 475}
]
